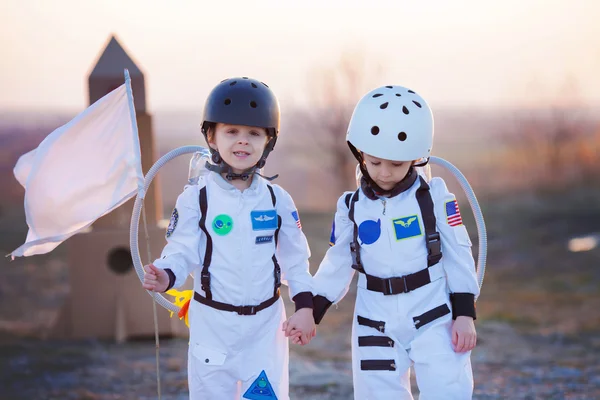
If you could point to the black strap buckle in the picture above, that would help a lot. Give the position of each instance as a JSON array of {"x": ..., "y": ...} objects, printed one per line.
[
  {"x": 434, "y": 246},
  {"x": 277, "y": 278},
  {"x": 356, "y": 263},
  {"x": 246, "y": 310},
  {"x": 389, "y": 288},
  {"x": 205, "y": 281}
]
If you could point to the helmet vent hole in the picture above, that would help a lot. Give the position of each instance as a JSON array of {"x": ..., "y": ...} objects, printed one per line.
[
  {"x": 417, "y": 103},
  {"x": 244, "y": 77},
  {"x": 232, "y": 83},
  {"x": 265, "y": 84},
  {"x": 398, "y": 95},
  {"x": 377, "y": 95},
  {"x": 402, "y": 136},
  {"x": 227, "y": 102},
  {"x": 254, "y": 85},
  {"x": 389, "y": 87},
  {"x": 410, "y": 91},
  {"x": 384, "y": 105},
  {"x": 405, "y": 110},
  {"x": 253, "y": 104},
  {"x": 375, "y": 130}
]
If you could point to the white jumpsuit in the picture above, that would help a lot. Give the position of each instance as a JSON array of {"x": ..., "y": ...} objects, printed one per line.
[
  {"x": 392, "y": 332},
  {"x": 228, "y": 352}
]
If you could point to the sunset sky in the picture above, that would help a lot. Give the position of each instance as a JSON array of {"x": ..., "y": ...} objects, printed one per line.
[{"x": 455, "y": 53}]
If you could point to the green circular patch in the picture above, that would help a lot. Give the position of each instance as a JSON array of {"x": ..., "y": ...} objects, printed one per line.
[{"x": 222, "y": 224}]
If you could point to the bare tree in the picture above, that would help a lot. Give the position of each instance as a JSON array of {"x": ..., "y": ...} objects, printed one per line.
[
  {"x": 334, "y": 91},
  {"x": 554, "y": 142}
]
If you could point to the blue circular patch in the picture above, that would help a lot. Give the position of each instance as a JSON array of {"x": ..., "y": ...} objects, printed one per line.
[
  {"x": 369, "y": 231},
  {"x": 173, "y": 222}
]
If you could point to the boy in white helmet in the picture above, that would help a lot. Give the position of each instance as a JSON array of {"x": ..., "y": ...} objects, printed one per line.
[
  {"x": 240, "y": 236},
  {"x": 417, "y": 286}
]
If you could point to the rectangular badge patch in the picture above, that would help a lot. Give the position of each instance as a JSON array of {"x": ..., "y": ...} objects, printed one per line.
[
  {"x": 407, "y": 227},
  {"x": 264, "y": 239},
  {"x": 453, "y": 213},
  {"x": 264, "y": 220}
]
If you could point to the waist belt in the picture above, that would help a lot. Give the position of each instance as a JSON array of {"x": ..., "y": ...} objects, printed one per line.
[
  {"x": 397, "y": 285},
  {"x": 241, "y": 310}
]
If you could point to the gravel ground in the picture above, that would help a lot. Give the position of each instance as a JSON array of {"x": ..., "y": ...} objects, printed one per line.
[{"x": 506, "y": 365}]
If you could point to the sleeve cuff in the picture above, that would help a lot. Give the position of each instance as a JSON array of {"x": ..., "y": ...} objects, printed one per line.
[
  {"x": 320, "y": 307},
  {"x": 463, "y": 304},
  {"x": 303, "y": 300},
  {"x": 171, "y": 279}
]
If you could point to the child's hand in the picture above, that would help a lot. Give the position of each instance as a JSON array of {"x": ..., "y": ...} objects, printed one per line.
[
  {"x": 296, "y": 337},
  {"x": 464, "y": 336},
  {"x": 155, "y": 279},
  {"x": 302, "y": 321}
]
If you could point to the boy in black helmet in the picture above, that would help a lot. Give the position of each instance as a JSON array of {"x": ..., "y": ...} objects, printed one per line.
[{"x": 240, "y": 236}]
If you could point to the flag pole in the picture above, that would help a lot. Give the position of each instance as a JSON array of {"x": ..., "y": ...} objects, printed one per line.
[{"x": 141, "y": 194}]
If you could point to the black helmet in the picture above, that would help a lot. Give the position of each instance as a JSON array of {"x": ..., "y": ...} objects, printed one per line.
[{"x": 242, "y": 101}]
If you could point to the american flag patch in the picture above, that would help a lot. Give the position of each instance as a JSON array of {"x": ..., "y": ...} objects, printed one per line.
[
  {"x": 297, "y": 219},
  {"x": 453, "y": 213}
]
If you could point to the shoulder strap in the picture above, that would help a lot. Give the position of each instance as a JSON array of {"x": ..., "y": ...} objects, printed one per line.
[
  {"x": 432, "y": 236},
  {"x": 205, "y": 275},
  {"x": 351, "y": 199},
  {"x": 279, "y": 220},
  {"x": 273, "y": 198},
  {"x": 347, "y": 199},
  {"x": 276, "y": 267}
]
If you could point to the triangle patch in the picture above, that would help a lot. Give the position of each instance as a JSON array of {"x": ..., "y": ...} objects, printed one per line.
[{"x": 260, "y": 389}]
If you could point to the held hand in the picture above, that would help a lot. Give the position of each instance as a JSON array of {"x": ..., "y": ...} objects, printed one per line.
[
  {"x": 297, "y": 337},
  {"x": 302, "y": 321},
  {"x": 464, "y": 336},
  {"x": 155, "y": 279}
]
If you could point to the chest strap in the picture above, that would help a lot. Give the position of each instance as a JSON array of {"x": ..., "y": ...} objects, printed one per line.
[{"x": 406, "y": 283}]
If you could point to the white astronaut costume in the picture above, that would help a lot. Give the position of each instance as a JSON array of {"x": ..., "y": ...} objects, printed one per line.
[
  {"x": 409, "y": 290},
  {"x": 239, "y": 246},
  {"x": 225, "y": 347}
]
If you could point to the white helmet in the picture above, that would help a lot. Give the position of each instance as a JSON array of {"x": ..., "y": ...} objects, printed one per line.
[{"x": 393, "y": 123}]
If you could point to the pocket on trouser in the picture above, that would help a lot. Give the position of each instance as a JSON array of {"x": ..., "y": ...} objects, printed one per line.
[
  {"x": 208, "y": 356},
  {"x": 208, "y": 376},
  {"x": 378, "y": 365},
  {"x": 378, "y": 374},
  {"x": 376, "y": 355},
  {"x": 375, "y": 350},
  {"x": 366, "y": 322},
  {"x": 431, "y": 315},
  {"x": 375, "y": 341}
]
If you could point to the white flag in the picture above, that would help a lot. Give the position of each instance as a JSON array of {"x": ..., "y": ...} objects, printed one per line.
[{"x": 80, "y": 172}]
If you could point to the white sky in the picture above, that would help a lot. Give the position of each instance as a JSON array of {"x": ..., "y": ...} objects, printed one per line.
[{"x": 453, "y": 52}]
